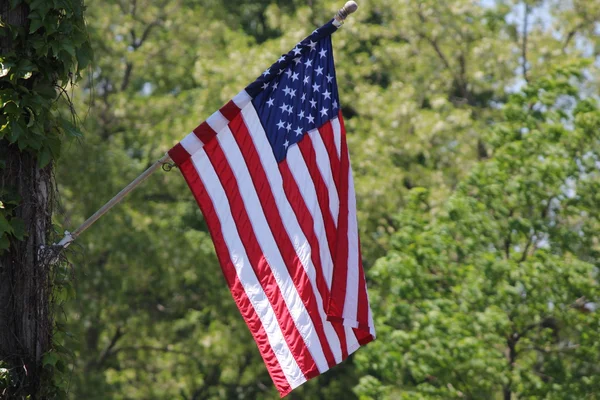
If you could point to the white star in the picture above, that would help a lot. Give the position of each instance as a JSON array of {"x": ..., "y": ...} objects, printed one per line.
[
  {"x": 281, "y": 124},
  {"x": 319, "y": 70},
  {"x": 327, "y": 94},
  {"x": 299, "y": 131},
  {"x": 289, "y": 109},
  {"x": 310, "y": 119},
  {"x": 270, "y": 102},
  {"x": 280, "y": 72},
  {"x": 292, "y": 93},
  {"x": 297, "y": 60},
  {"x": 329, "y": 78},
  {"x": 287, "y": 90},
  {"x": 267, "y": 72},
  {"x": 288, "y": 127},
  {"x": 283, "y": 107},
  {"x": 301, "y": 115},
  {"x": 335, "y": 104},
  {"x": 313, "y": 103},
  {"x": 265, "y": 85},
  {"x": 316, "y": 87},
  {"x": 307, "y": 79},
  {"x": 315, "y": 31},
  {"x": 282, "y": 58},
  {"x": 322, "y": 53},
  {"x": 323, "y": 111},
  {"x": 288, "y": 72},
  {"x": 308, "y": 63},
  {"x": 275, "y": 84},
  {"x": 294, "y": 77},
  {"x": 303, "y": 97},
  {"x": 296, "y": 50},
  {"x": 312, "y": 45},
  {"x": 286, "y": 144}
]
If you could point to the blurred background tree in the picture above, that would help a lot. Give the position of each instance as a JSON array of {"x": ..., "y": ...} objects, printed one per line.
[{"x": 474, "y": 141}]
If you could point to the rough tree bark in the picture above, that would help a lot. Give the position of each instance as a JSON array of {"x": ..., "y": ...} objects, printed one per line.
[{"x": 25, "y": 318}]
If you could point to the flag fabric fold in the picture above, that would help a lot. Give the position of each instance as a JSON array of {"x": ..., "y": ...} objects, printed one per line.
[{"x": 271, "y": 173}]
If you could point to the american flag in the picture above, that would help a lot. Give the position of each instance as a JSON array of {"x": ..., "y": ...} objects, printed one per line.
[{"x": 271, "y": 174}]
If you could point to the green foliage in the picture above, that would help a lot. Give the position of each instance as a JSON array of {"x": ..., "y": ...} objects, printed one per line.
[
  {"x": 10, "y": 226},
  {"x": 45, "y": 57},
  {"x": 496, "y": 291},
  {"x": 450, "y": 157}
]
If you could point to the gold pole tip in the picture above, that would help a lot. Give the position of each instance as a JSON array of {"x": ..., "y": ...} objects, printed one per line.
[
  {"x": 343, "y": 13},
  {"x": 350, "y": 7}
]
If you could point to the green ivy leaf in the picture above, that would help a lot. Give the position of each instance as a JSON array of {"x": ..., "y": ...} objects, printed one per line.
[
  {"x": 16, "y": 130},
  {"x": 31, "y": 117},
  {"x": 70, "y": 129},
  {"x": 4, "y": 243},
  {"x": 85, "y": 55},
  {"x": 68, "y": 47},
  {"x": 47, "y": 91},
  {"x": 26, "y": 66},
  {"x": 10, "y": 107},
  {"x": 36, "y": 22},
  {"x": 50, "y": 358},
  {"x": 44, "y": 157},
  {"x": 5, "y": 226},
  {"x": 18, "y": 226},
  {"x": 41, "y": 6},
  {"x": 53, "y": 143}
]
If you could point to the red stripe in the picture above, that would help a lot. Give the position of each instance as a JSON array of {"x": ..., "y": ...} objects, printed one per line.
[
  {"x": 340, "y": 267},
  {"x": 328, "y": 137},
  {"x": 179, "y": 154},
  {"x": 308, "y": 153},
  {"x": 306, "y": 222},
  {"x": 362, "y": 314},
  {"x": 239, "y": 295},
  {"x": 204, "y": 132},
  {"x": 258, "y": 262},
  {"x": 230, "y": 110},
  {"x": 269, "y": 206}
]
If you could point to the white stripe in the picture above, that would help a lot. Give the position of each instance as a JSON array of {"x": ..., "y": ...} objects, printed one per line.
[
  {"x": 337, "y": 135},
  {"x": 244, "y": 270},
  {"x": 352, "y": 282},
  {"x": 371, "y": 322},
  {"x": 302, "y": 177},
  {"x": 241, "y": 99},
  {"x": 351, "y": 340},
  {"x": 217, "y": 121},
  {"x": 325, "y": 169},
  {"x": 269, "y": 248},
  {"x": 290, "y": 221},
  {"x": 191, "y": 143}
]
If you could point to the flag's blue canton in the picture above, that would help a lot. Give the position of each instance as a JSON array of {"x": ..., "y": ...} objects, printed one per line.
[{"x": 298, "y": 93}]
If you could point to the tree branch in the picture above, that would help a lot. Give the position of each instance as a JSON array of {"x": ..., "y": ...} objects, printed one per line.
[
  {"x": 107, "y": 351},
  {"x": 527, "y": 246},
  {"x": 136, "y": 43}
]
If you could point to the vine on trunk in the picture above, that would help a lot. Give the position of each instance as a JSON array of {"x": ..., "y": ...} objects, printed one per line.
[{"x": 44, "y": 46}]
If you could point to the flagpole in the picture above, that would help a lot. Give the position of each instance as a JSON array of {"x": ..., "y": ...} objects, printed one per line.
[{"x": 69, "y": 237}]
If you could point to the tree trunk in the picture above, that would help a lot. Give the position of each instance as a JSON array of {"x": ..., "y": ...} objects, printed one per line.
[{"x": 25, "y": 318}]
